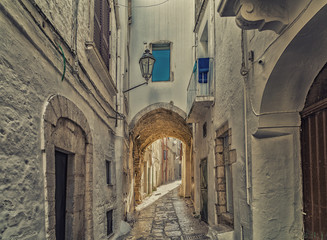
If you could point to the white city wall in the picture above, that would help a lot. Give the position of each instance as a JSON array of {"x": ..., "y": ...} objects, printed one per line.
[{"x": 173, "y": 22}]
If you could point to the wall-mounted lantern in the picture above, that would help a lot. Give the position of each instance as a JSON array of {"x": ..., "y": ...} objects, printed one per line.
[{"x": 146, "y": 65}]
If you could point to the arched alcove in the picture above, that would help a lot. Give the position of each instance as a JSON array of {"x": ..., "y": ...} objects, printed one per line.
[{"x": 68, "y": 176}]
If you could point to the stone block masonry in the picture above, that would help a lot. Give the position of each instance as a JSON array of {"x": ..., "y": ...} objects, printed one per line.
[{"x": 31, "y": 68}]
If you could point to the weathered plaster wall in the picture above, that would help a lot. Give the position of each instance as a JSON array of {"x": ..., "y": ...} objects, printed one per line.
[
  {"x": 229, "y": 107},
  {"x": 276, "y": 187},
  {"x": 224, "y": 45},
  {"x": 31, "y": 71},
  {"x": 274, "y": 120},
  {"x": 274, "y": 88},
  {"x": 171, "y": 21}
]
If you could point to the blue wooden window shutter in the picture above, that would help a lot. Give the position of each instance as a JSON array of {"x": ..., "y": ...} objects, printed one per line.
[
  {"x": 203, "y": 69},
  {"x": 161, "y": 69}
]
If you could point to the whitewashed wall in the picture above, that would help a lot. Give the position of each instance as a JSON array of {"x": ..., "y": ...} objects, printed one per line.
[{"x": 171, "y": 21}]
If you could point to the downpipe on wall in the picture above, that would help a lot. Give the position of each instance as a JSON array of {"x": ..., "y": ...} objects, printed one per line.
[
  {"x": 244, "y": 72},
  {"x": 119, "y": 126}
]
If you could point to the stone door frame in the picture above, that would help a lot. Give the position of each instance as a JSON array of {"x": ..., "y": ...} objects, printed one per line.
[{"x": 60, "y": 109}]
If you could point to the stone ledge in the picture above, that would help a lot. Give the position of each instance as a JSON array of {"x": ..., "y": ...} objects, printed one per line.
[{"x": 257, "y": 14}]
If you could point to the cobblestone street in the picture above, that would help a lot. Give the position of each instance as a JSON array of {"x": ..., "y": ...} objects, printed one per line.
[{"x": 170, "y": 217}]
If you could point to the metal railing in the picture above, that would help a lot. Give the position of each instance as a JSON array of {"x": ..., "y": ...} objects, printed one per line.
[{"x": 198, "y": 87}]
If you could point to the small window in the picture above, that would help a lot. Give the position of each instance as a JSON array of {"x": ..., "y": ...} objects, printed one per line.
[
  {"x": 108, "y": 172},
  {"x": 161, "y": 69},
  {"x": 109, "y": 222},
  {"x": 165, "y": 154},
  {"x": 204, "y": 129},
  {"x": 102, "y": 29}
]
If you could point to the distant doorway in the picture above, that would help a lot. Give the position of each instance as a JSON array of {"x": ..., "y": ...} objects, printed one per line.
[
  {"x": 314, "y": 159},
  {"x": 204, "y": 190}
]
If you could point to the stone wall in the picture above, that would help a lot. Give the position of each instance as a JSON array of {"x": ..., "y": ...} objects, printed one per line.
[{"x": 31, "y": 71}]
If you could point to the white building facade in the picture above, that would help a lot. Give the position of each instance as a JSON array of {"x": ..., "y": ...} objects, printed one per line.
[{"x": 255, "y": 130}]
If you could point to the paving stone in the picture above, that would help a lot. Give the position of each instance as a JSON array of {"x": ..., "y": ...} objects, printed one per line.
[
  {"x": 169, "y": 218},
  {"x": 176, "y": 238},
  {"x": 157, "y": 230},
  {"x": 174, "y": 234}
]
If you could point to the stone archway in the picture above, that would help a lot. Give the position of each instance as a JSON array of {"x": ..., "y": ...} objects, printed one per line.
[
  {"x": 286, "y": 88},
  {"x": 66, "y": 133},
  {"x": 155, "y": 122}
]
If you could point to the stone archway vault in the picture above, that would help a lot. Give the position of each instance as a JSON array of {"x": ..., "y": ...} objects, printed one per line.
[{"x": 153, "y": 123}]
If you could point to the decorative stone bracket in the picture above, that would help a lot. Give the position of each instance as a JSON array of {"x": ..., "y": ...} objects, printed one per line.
[{"x": 257, "y": 14}]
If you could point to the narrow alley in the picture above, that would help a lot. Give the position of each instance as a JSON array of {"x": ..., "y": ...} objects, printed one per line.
[
  {"x": 163, "y": 119},
  {"x": 170, "y": 217}
]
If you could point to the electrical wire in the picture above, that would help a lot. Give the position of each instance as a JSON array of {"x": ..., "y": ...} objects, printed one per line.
[
  {"x": 145, "y": 6},
  {"x": 64, "y": 58}
]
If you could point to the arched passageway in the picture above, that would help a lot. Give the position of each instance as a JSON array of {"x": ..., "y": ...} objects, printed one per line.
[{"x": 156, "y": 122}]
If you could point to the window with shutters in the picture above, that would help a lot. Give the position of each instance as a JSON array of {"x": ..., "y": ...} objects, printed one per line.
[
  {"x": 102, "y": 29},
  {"x": 109, "y": 222},
  {"x": 161, "y": 70},
  {"x": 110, "y": 172}
]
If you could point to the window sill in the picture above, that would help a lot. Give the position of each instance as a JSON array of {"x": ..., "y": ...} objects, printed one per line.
[
  {"x": 221, "y": 228},
  {"x": 100, "y": 68},
  {"x": 227, "y": 219},
  {"x": 110, "y": 236}
]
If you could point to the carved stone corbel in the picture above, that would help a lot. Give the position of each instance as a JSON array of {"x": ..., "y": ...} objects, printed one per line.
[{"x": 257, "y": 14}]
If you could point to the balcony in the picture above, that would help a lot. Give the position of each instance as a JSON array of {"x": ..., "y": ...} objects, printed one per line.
[{"x": 200, "y": 90}]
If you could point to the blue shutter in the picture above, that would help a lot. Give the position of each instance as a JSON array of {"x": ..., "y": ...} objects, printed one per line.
[
  {"x": 161, "y": 69},
  {"x": 203, "y": 70}
]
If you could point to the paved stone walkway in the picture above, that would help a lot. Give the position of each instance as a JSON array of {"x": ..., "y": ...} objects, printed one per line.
[{"x": 170, "y": 217}]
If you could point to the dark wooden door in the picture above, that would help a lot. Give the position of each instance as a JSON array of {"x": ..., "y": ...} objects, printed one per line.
[
  {"x": 204, "y": 190},
  {"x": 60, "y": 193},
  {"x": 314, "y": 169}
]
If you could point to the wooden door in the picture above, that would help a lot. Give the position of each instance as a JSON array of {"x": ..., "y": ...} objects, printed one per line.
[
  {"x": 204, "y": 190},
  {"x": 314, "y": 167},
  {"x": 314, "y": 158},
  {"x": 60, "y": 193}
]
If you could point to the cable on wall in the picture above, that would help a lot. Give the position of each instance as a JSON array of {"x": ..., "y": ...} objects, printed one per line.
[
  {"x": 144, "y": 6},
  {"x": 64, "y": 59}
]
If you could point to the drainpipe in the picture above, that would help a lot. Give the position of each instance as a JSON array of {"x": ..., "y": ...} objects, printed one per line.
[
  {"x": 166, "y": 161},
  {"x": 162, "y": 162},
  {"x": 118, "y": 59},
  {"x": 244, "y": 73}
]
